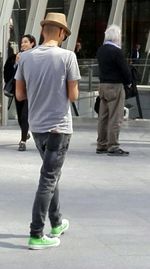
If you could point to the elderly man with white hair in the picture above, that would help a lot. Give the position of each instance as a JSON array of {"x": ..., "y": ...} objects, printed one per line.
[{"x": 113, "y": 74}]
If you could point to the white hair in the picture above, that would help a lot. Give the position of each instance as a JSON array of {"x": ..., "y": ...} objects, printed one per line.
[{"x": 113, "y": 34}]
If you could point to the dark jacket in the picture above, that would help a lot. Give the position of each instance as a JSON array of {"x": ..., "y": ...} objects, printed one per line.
[
  {"x": 10, "y": 68},
  {"x": 113, "y": 67},
  {"x": 135, "y": 55}
]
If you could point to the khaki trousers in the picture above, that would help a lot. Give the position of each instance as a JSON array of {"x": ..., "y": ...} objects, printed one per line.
[{"x": 110, "y": 115}]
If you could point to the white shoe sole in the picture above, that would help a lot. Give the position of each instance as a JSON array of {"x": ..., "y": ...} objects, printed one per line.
[{"x": 38, "y": 247}]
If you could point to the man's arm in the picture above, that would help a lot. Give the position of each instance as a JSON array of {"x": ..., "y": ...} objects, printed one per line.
[
  {"x": 21, "y": 90},
  {"x": 72, "y": 90}
]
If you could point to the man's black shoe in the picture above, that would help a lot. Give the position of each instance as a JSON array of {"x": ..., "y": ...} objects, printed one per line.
[
  {"x": 118, "y": 152},
  {"x": 101, "y": 151}
]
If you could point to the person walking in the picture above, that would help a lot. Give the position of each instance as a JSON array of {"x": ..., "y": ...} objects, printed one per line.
[
  {"x": 48, "y": 77},
  {"x": 27, "y": 42},
  {"x": 135, "y": 54},
  {"x": 113, "y": 73}
]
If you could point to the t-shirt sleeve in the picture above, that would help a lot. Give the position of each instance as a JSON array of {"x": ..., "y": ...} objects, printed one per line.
[
  {"x": 73, "y": 72},
  {"x": 19, "y": 73}
]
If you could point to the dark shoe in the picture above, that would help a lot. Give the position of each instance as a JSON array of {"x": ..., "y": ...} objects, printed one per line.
[
  {"x": 28, "y": 136},
  {"x": 22, "y": 146},
  {"x": 101, "y": 151},
  {"x": 118, "y": 152}
]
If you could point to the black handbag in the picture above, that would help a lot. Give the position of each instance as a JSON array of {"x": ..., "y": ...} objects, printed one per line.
[
  {"x": 9, "y": 88},
  {"x": 97, "y": 104},
  {"x": 130, "y": 91}
]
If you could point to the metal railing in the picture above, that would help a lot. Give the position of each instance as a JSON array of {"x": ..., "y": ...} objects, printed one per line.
[{"x": 89, "y": 84}]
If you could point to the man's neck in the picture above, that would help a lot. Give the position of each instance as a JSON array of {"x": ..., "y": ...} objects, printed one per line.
[{"x": 50, "y": 43}]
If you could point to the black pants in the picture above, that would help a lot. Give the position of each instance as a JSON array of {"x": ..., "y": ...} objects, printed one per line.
[{"x": 22, "y": 114}]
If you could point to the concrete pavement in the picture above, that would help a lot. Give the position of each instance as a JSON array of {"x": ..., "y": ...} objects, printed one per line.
[{"x": 106, "y": 199}]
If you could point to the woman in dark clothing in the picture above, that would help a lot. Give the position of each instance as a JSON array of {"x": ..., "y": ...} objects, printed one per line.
[{"x": 27, "y": 42}]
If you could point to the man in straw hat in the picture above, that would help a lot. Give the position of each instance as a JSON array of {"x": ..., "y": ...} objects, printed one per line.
[{"x": 48, "y": 76}]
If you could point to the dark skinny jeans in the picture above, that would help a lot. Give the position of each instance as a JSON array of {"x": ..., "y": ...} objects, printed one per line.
[{"x": 52, "y": 147}]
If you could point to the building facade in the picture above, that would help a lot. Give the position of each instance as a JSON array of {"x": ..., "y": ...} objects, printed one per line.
[
  {"x": 88, "y": 19},
  {"x": 95, "y": 17}
]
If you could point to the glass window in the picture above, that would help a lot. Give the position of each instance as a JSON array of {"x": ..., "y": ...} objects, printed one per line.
[
  {"x": 136, "y": 26},
  {"x": 93, "y": 24}
]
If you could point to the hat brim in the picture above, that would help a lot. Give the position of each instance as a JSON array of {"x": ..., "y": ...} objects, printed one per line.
[{"x": 68, "y": 32}]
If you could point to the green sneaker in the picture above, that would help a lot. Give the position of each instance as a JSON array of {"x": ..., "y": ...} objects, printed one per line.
[
  {"x": 43, "y": 242},
  {"x": 57, "y": 231}
]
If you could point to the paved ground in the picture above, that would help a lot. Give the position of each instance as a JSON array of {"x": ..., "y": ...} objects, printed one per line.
[{"x": 106, "y": 199}]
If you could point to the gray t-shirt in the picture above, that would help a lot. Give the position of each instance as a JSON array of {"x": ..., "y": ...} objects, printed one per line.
[{"x": 46, "y": 71}]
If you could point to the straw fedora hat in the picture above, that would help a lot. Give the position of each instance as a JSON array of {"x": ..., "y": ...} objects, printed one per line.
[{"x": 57, "y": 19}]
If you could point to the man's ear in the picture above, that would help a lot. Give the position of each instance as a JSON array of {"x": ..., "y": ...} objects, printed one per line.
[
  {"x": 62, "y": 33},
  {"x": 42, "y": 32}
]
